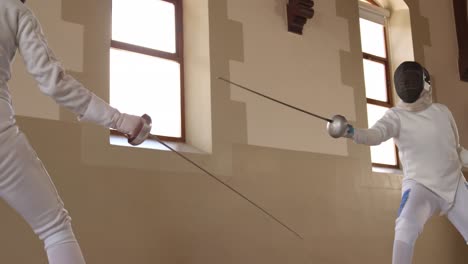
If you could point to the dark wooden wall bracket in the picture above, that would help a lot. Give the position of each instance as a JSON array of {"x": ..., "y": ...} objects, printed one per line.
[
  {"x": 298, "y": 13},
  {"x": 461, "y": 23}
]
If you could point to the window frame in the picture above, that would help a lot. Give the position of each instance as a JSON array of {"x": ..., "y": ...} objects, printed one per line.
[
  {"x": 178, "y": 57},
  {"x": 390, "y": 101}
]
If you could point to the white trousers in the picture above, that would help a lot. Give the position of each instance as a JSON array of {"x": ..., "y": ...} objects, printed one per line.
[
  {"x": 26, "y": 186},
  {"x": 417, "y": 206}
]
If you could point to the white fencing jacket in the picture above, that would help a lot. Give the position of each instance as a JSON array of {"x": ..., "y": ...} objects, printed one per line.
[
  {"x": 427, "y": 143},
  {"x": 19, "y": 29}
]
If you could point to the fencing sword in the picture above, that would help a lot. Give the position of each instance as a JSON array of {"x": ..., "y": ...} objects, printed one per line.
[
  {"x": 337, "y": 126},
  {"x": 144, "y": 134},
  {"x": 275, "y": 100}
]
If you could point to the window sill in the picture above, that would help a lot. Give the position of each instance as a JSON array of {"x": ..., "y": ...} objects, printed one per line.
[
  {"x": 387, "y": 170},
  {"x": 104, "y": 150},
  {"x": 155, "y": 145}
]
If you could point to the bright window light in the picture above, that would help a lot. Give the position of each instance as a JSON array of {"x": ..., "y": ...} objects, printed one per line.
[
  {"x": 372, "y": 38},
  {"x": 375, "y": 80},
  {"x": 384, "y": 153},
  {"x": 145, "y": 84},
  {"x": 146, "y": 23}
]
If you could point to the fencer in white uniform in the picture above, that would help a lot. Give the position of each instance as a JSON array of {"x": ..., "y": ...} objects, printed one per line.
[
  {"x": 431, "y": 156},
  {"x": 24, "y": 182}
]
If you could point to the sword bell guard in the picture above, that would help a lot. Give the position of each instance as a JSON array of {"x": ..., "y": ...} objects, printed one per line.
[
  {"x": 144, "y": 131},
  {"x": 337, "y": 128}
]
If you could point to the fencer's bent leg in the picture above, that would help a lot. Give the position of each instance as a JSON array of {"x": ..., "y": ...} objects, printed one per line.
[
  {"x": 402, "y": 252},
  {"x": 26, "y": 186},
  {"x": 63, "y": 248},
  {"x": 418, "y": 205},
  {"x": 458, "y": 214}
]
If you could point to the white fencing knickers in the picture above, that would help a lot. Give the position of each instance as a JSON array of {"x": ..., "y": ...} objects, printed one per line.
[
  {"x": 26, "y": 186},
  {"x": 417, "y": 206}
]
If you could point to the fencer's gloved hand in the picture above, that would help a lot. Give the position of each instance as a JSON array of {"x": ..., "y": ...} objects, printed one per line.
[
  {"x": 349, "y": 132},
  {"x": 339, "y": 127},
  {"x": 129, "y": 124}
]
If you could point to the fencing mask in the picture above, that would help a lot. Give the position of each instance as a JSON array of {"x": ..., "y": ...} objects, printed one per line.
[{"x": 410, "y": 79}]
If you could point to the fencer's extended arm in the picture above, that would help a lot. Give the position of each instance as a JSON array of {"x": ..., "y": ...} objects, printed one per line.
[
  {"x": 387, "y": 127},
  {"x": 53, "y": 81},
  {"x": 462, "y": 152}
]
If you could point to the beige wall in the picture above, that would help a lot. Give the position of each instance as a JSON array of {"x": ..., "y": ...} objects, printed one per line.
[
  {"x": 134, "y": 205},
  {"x": 301, "y": 70}
]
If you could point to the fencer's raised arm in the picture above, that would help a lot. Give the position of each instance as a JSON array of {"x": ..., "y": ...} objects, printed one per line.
[
  {"x": 387, "y": 127},
  {"x": 462, "y": 152},
  {"x": 53, "y": 81}
]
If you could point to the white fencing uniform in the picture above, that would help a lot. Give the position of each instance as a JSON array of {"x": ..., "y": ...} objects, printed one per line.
[
  {"x": 431, "y": 158},
  {"x": 24, "y": 183}
]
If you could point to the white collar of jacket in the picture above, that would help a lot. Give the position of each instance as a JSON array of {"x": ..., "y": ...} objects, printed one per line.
[{"x": 423, "y": 102}]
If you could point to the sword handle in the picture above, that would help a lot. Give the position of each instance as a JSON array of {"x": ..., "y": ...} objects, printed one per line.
[{"x": 144, "y": 131}]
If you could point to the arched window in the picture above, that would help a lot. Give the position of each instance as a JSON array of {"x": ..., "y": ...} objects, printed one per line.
[
  {"x": 146, "y": 63},
  {"x": 377, "y": 75}
]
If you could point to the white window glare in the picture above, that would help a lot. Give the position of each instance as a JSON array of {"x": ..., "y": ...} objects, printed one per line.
[
  {"x": 372, "y": 38},
  {"x": 375, "y": 80},
  {"x": 146, "y": 23},
  {"x": 145, "y": 84},
  {"x": 384, "y": 153}
]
